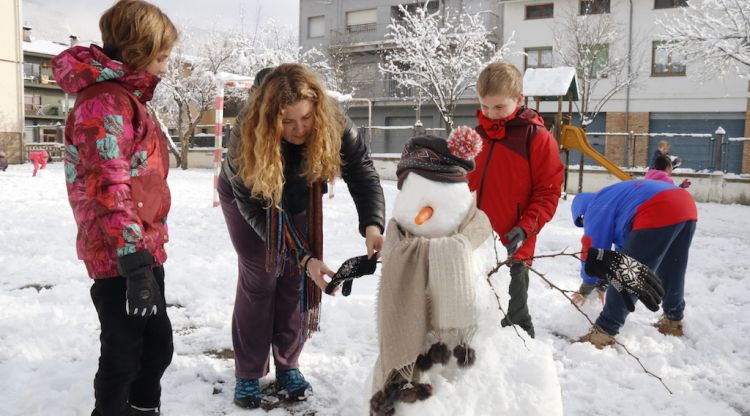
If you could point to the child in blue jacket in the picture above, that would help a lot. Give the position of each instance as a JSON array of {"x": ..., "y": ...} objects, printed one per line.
[{"x": 651, "y": 221}]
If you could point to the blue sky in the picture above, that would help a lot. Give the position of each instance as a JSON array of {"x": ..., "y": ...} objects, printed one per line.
[{"x": 55, "y": 20}]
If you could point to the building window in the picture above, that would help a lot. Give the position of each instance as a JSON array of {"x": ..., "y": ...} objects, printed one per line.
[
  {"x": 362, "y": 21},
  {"x": 538, "y": 57},
  {"x": 669, "y": 4},
  {"x": 316, "y": 26},
  {"x": 398, "y": 15},
  {"x": 599, "y": 57},
  {"x": 32, "y": 102},
  {"x": 540, "y": 11},
  {"x": 664, "y": 63},
  {"x": 31, "y": 72},
  {"x": 594, "y": 6}
]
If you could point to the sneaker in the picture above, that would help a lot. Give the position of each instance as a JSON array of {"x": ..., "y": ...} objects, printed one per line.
[
  {"x": 598, "y": 337},
  {"x": 292, "y": 385},
  {"x": 247, "y": 393},
  {"x": 669, "y": 327}
]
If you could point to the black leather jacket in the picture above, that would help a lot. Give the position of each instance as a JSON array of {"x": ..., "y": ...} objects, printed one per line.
[{"x": 357, "y": 171}]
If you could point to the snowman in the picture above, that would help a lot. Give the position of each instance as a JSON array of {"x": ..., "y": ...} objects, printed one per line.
[{"x": 426, "y": 308}]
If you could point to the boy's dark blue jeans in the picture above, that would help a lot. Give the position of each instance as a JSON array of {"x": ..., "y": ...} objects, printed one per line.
[
  {"x": 665, "y": 251},
  {"x": 135, "y": 351}
]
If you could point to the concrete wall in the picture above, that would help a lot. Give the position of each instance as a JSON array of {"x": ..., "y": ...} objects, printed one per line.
[
  {"x": 706, "y": 187},
  {"x": 11, "y": 98}
]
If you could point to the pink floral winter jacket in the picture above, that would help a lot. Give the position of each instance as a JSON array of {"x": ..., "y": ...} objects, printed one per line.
[{"x": 116, "y": 160}]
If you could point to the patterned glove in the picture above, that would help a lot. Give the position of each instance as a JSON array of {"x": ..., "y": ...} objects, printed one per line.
[
  {"x": 627, "y": 275},
  {"x": 515, "y": 237},
  {"x": 142, "y": 294},
  {"x": 351, "y": 269}
]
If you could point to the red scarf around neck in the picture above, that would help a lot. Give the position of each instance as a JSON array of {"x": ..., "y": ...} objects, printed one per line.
[{"x": 495, "y": 129}]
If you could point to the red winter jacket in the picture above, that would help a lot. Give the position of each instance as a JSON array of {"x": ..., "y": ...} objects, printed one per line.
[
  {"x": 518, "y": 175},
  {"x": 116, "y": 160}
]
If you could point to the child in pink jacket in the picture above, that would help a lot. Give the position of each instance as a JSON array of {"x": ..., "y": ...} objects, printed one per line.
[
  {"x": 662, "y": 171},
  {"x": 38, "y": 157}
]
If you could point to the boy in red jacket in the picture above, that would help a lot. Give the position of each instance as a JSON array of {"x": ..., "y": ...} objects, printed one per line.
[{"x": 518, "y": 176}]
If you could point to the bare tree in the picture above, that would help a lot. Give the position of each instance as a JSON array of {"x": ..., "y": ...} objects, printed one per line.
[
  {"x": 188, "y": 91},
  {"x": 715, "y": 33},
  {"x": 587, "y": 43},
  {"x": 272, "y": 44},
  {"x": 439, "y": 55}
]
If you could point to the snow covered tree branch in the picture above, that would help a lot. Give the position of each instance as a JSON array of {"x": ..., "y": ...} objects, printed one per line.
[
  {"x": 439, "y": 55},
  {"x": 715, "y": 33},
  {"x": 188, "y": 91},
  {"x": 587, "y": 43}
]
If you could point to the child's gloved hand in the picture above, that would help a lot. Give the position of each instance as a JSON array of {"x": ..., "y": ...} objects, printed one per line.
[
  {"x": 515, "y": 237},
  {"x": 627, "y": 276},
  {"x": 685, "y": 184},
  {"x": 142, "y": 294}
]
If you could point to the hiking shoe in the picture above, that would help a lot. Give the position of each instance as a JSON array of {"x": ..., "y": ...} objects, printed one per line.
[
  {"x": 292, "y": 385},
  {"x": 598, "y": 337},
  {"x": 669, "y": 327},
  {"x": 529, "y": 328},
  {"x": 247, "y": 393}
]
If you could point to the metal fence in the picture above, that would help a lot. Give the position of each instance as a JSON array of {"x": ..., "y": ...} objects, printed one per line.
[{"x": 698, "y": 151}]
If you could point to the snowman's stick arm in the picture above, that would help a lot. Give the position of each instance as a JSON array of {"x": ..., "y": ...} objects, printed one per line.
[{"x": 565, "y": 293}]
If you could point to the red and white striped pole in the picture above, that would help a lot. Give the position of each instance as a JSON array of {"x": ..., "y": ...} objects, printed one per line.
[{"x": 218, "y": 135}]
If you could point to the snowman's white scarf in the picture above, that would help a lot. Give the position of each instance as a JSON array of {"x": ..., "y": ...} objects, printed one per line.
[{"x": 403, "y": 315}]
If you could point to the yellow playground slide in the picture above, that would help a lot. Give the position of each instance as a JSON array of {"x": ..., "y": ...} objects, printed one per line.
[{"x": 574, "y": 138}]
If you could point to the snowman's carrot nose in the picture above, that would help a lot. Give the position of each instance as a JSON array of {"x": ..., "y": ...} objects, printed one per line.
[{"x": 424, "y": 215}]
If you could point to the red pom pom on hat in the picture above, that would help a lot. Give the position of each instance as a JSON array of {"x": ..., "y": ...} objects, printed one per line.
[{"x": 464, "y": 142}]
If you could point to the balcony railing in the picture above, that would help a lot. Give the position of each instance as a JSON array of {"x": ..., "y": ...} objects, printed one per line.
[{"x": 366, "y": 27}]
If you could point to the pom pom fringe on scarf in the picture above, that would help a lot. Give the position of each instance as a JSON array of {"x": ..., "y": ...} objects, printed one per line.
[{"x": 282, "y": 237}]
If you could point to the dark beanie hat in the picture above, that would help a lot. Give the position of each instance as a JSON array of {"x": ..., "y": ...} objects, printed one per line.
[{"x": 431, "y": 157}]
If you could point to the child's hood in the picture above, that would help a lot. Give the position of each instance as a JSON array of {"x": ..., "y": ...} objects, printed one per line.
[
  {"x": 526, "y": 116},
  {"x": 80, "y": 67}
]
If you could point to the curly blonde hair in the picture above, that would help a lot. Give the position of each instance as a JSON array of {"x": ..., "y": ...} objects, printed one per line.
[{"x": 261, "y": 166}]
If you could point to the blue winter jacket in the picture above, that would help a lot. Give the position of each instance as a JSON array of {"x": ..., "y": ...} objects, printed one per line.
[{"x": 609, "y": 215}]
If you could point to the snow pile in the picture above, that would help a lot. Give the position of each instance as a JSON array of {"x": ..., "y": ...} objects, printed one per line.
[{"x": 49, "y": 345}]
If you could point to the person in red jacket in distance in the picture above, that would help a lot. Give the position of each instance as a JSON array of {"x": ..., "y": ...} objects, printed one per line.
[{"x": 518, "y": 176}]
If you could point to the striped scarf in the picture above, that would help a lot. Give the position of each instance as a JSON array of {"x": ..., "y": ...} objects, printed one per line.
[{"x": 282, "y": 237}]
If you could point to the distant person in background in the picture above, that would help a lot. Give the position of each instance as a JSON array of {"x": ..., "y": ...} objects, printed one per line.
[
  {"x": 39, "y": 158},
  {"x": 662, "y": 171},
  {"x": 3, "y": 160},
  {"x": 661, "y": 149}
]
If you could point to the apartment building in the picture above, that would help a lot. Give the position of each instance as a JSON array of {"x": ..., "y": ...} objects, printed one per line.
[
  {"x": 11, "y": 110},
  {"x": 666, "y": 100},
  {"x": 357, "y": 29}
]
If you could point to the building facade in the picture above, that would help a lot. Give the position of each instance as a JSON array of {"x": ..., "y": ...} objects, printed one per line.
[
  {"x": 356, "y": 30},
  {"x": 665, "y": 100},
  {"x": 45, "y": 104},
  {"x": 11, "y": 60}
]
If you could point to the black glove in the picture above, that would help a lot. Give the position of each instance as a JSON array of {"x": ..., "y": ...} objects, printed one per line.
[
  {"x": 515, "y": 238},
  {"x": 142, "y": 295},
  {"x": 627, "y": 275},
  {"x": 351, "y": 269}
]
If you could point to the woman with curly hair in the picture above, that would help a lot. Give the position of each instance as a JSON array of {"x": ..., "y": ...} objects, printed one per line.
[{"x": 293, "y": 140}]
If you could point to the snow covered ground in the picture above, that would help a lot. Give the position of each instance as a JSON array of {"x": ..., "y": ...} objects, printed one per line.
[{"x": 49, "y": 336}]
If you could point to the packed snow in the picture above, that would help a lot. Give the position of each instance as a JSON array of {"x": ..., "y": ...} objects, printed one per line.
[{"x": 49, "y": 331}]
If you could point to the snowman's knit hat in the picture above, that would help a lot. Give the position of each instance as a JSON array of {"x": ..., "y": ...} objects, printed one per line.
[{"x": 430, "y": 157}]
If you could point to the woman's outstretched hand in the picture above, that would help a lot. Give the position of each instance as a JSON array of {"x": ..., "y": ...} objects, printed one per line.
[
  {"x": 373, "y": 240},
  {"x": 316, "y": 269}
]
